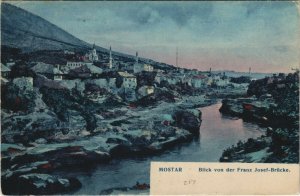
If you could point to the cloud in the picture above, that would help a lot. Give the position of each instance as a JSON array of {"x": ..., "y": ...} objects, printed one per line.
[{"x": 266, "y": 32}]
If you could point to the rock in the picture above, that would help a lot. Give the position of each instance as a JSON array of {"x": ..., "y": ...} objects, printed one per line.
[
  {"x": 280, "y": 145},
  {"x": 118, "y": 141},
  {"x": 38, "y": 183},
  {"x": 240, "y": 80},
  {"x": 75, "y": 156},
  {"x": 188, "y": 119},
  {"x": 41, "y": 141},
  {"x": 154, "y": 98},
  {"x": 138, "y": 189},
  {"x": 63, "y": 158},
  {"x": 231, "y": 107}
]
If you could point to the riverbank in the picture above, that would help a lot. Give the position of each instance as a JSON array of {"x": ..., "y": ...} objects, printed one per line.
[
  {"x": 36, "y": 146},
  {"x": 217, "y": 132},
  {"x": 126, "y": 132},
  {"x": 274, "y": 105}
]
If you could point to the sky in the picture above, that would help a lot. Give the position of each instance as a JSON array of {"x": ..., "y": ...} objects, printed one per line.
[{"x": 222, "y": 35}]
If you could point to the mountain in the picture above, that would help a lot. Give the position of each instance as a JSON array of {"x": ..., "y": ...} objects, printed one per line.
[{"x": 29, "y": 32}]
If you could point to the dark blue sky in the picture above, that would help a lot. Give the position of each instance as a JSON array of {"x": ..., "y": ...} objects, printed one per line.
[{"x": 221, "y": 35}]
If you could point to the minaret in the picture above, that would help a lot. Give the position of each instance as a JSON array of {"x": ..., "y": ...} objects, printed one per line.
[
  {"x": 249, "y": 71},
  {"x": 137, "y": 57},
  {"x": 176, "y": 56},
  {"x": 110, "y": 58}
]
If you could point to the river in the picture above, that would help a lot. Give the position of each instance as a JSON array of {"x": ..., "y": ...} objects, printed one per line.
[{"x": 217, "y": 133}]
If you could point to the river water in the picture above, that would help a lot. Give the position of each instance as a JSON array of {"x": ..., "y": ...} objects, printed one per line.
[{"x": 217, "y": 133}]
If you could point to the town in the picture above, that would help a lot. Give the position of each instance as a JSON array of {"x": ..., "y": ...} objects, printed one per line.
[
  {"x": 86, "y": 119},
  {"x": 130, "y": 80}
]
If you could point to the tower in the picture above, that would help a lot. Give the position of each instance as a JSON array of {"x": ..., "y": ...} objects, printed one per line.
[
  {"x": 92, "y": 55},
  {"x": 110, "y": 58},
  {"x": 137, "y": 67},
  {"x": 94, "y": 50},
  {"x": 249, "y": 71}
]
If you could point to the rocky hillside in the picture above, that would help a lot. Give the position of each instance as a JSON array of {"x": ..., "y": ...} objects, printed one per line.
[
  {"x": 274, "y": 104},
  {"x": 29, "y": 32}
]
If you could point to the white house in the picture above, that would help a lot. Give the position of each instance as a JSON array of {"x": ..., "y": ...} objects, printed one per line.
[
  {"x": 69, "y": 52},
  {"x": 25, "y": 83},
  {"x": 73, "y": 65},
  {"x": 94, "y": 69},
  {"x": 187, "y": 79},
  {"x": 50, "y": 71},
  {"x": 221, "y": 82},
  {"x": 159, "y": 77},
  {"x": 5, "y": 71},
  {"x": 129, "y": 80},
  {"x": 142, "y": 67},
  {"x": 138, "y": 67},
  {"x": 198, "y": 81},
  {"x": 146, "y": 90},
  {"x": 57, "y": 74},
  {"x": 172, "y": 80}
]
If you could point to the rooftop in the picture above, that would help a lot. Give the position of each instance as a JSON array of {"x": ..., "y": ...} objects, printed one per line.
[
  {"x": 200, "y": 77},
  {"x": 94, "y": 69},
  {"x": 41, "y": 67},
  {"x": 4, "y": 68},
  {"x": 126, "y": 74}
]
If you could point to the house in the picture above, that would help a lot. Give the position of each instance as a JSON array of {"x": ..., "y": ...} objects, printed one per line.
[
  {"x": 186, "y": 79},
  {"x": 24, "y": 83},
  {"x": 128, "y": 80},
  {"x": 159, "y": 77},
  {"x": 57, "y": 74},
  {"x": 80, "y": 72},
  {"x": 146, "y": 90},
  {"x": 172, "y": 79},
  {"x": 95, "y": 71},
  {"x": 128, "y": 67},
  {"x": 128, "y": 85},
  {"x": 43, "y": 69},
  {"x": 5, "y": 71},
  {"x": 69, "y": 52},
  {"x": 158, "y": 70},
  {"x": 198, "y": 81},
  {"x": 50, "y": 71},
  {"x": 72, "y": 65},
  {"x": 104, "y": 82},
  {"x": 138, "y": 67},
  {"x": 208, "y": 81},
  {"x": 221, "y": 82},
  {"x": 10, "y": 64}
]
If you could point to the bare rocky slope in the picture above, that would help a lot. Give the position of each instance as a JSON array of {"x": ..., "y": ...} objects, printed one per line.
[{"x": 29, "y": 32}]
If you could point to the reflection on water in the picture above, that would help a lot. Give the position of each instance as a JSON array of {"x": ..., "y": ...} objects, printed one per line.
[{"x": 217, "y": 133}]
